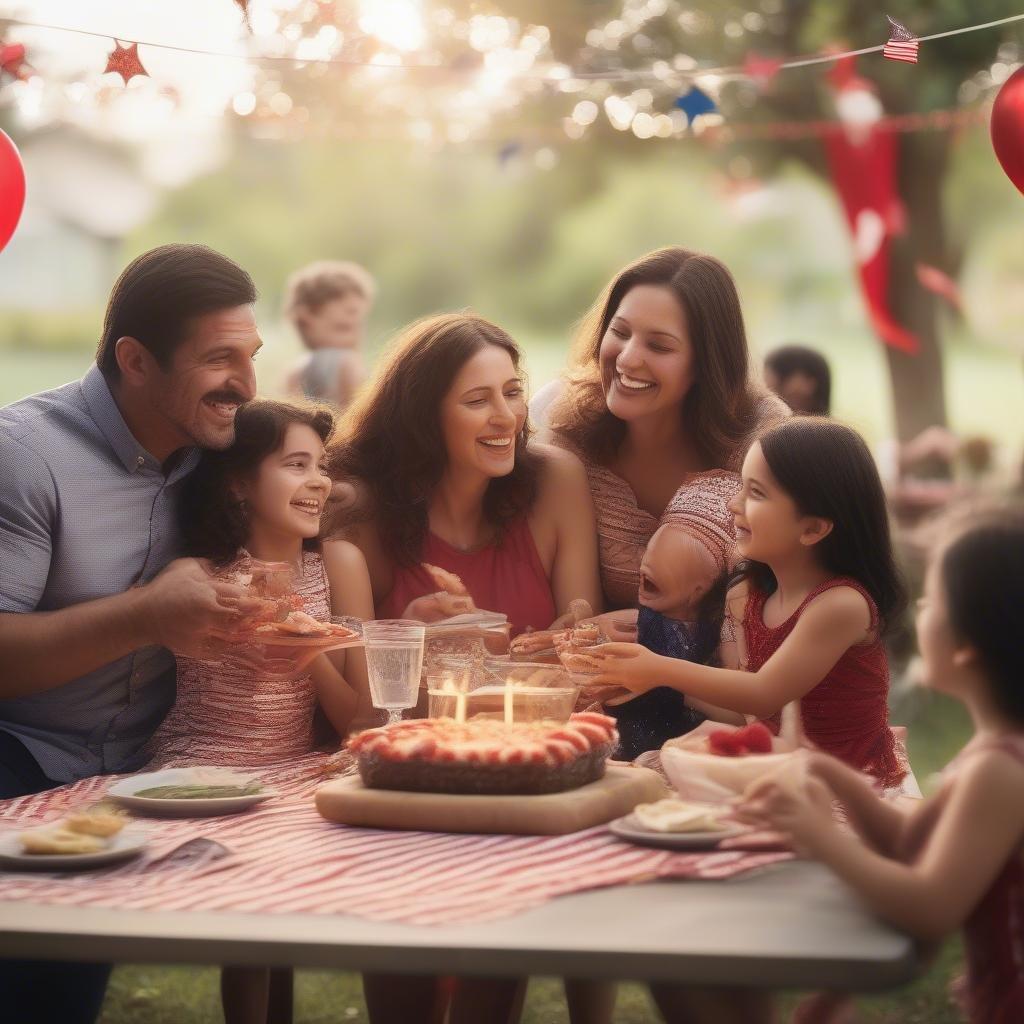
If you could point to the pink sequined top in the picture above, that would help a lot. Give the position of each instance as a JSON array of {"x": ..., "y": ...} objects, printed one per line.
[
  {"x": 226, "y": 716},
  {"x": 623, "y": 528}
]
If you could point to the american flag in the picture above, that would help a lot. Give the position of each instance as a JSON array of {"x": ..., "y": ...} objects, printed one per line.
[{"x": 902, "y": 44}]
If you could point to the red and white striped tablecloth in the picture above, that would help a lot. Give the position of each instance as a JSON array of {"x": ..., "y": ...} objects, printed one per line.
[{"x": 282, "y": 857}]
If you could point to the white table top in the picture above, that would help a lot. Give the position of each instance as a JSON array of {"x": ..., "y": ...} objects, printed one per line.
[{"x": 791, "y": 926}]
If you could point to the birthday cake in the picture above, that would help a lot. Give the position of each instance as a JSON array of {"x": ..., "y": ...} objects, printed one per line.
[{"x": 484, "y": 756}]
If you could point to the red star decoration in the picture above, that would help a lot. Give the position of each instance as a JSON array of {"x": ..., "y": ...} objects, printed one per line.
[
  {"x": 12, "y": 60},
  {"x": 124, "y": 61}
]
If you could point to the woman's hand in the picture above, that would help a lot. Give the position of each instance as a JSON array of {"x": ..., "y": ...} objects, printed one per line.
[
  {"x": 434, "y": 607},
  {"x": 627, "y": 665}
]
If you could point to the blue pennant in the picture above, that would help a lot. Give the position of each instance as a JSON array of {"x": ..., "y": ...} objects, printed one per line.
[{"x": 694, "y": 103}]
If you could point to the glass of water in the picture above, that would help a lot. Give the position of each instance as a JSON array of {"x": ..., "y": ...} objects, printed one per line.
[{"x": 394, "y": 658}]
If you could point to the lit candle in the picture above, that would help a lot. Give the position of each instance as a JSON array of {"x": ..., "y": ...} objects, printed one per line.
[
  {"x": 508, "y": 701},
  {"x": 460, "y": 706}
]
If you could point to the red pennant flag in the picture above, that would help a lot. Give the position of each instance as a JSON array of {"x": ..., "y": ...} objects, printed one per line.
[
  {"x": 124, "y": 61},
  {"x": 12, "y": 60}
]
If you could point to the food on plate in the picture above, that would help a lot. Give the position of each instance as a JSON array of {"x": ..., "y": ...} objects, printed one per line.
[
  {"x": 755, "y": 738},
  {"x": 60, "y": 841},
  {"x": 674, "y": 815},
  {"x": 200, "y": 791},
  {"x": 440, "y": 755},
  {"x": 564, "y": 641},
  {"x": 100, "y": 823},
  {"x": 301, "y": 624},
  {"x": 446, "y": 581}
]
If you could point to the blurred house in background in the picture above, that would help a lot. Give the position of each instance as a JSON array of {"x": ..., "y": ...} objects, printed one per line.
[{"x": 84, "y": 197}]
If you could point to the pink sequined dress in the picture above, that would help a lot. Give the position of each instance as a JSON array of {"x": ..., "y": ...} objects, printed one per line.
[{"x": 226, "y": 716}]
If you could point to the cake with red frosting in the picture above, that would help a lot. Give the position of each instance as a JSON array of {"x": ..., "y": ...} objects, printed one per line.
[{"x": 440, "y": 755}]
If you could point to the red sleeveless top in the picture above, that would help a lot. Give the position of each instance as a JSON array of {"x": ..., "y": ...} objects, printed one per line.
[
  {"x": 847, "y": 713},
  {"x": 994, "y": 933},
  {"x": 506, "y": 576}
]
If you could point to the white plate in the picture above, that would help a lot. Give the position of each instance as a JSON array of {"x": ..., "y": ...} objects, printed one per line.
[
  {"x": 122, "y": 846},
  {"x": 124, "y": 792},
  {"x": 630, "y": 829}
]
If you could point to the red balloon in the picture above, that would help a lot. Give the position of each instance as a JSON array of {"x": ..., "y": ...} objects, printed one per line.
[
  {"x": 1007, "y": 127},
  {"x": 12, "y": 189}
]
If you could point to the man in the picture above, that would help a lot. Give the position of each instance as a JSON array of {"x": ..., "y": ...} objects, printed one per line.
[{"x": 92, "y": 600}]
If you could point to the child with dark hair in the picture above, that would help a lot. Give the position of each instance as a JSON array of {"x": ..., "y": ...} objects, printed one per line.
[
  {"x": 261, "y": 501},
  {"x": 801, "y": 378},
  {"x": 813, "y": 598},
  {"x": 957, "y": 860}
]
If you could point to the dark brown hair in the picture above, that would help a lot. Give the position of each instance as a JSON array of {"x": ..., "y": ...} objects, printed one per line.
[
  {"x": 392, "y": 438},
  {"x": 213, "y": 520},
  {"x": 720, "y": 409},
  {"x": 827, "y": 470},
  {"x": 790, "y": 359},
  {"x": 161, "y": 292},
  {"x": 982, "y": 574}
]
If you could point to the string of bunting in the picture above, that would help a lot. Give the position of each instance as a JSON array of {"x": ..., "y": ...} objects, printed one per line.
[{"x": 902, "y": 45}]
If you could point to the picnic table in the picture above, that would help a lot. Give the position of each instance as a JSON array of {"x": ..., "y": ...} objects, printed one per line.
[{"x": 280, "y": 886}]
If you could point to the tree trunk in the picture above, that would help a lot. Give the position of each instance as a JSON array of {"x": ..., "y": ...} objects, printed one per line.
[{"x": 918, "y": 390}]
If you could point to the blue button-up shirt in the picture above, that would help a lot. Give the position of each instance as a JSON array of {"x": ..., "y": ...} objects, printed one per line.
[{"x": 85, "y": 512}]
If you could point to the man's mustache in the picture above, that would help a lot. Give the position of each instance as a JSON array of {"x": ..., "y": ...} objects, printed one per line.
[{"x": 225, "y": 396}]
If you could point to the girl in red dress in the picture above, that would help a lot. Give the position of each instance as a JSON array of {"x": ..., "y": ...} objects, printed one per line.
[
  {"x": 810, "y": 603},
  {"x": 956, "y": 860}
]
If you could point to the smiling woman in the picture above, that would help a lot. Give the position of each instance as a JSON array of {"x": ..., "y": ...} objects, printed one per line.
[
  {"x": 442, "y": 444},
  {"x": 661, "y": 397}
]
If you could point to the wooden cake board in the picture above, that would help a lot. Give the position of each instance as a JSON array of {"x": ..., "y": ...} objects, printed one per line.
[{"x": 349, "y": 802}]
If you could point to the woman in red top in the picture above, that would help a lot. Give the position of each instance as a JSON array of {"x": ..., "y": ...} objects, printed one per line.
[{"x": 440, "y": 441}]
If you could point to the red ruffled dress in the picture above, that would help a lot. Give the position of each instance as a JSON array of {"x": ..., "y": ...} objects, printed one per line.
[
  {"x": 506, "y": 576},
  {"x": 847, "y": 713}
]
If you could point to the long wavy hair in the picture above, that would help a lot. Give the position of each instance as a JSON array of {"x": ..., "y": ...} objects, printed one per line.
[
  {"x": 827, "y": 470},
  {"x": 720, "y": 409},
  {"x": 214, "y": 521},
  {"x": 391, "y": 436}
]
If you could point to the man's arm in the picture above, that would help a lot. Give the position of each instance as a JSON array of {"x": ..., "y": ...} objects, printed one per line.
[
  {"x": 41, "y": 650},
  {"x": 183, "y": 609}
]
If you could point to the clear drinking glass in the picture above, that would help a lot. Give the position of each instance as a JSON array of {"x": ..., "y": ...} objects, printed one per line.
[{"x": 394, "y": 658}]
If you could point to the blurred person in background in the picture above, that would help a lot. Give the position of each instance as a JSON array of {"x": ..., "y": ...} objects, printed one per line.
[
  {"x": 328, "y": 303},
  {"x": 801, "y": 378}
]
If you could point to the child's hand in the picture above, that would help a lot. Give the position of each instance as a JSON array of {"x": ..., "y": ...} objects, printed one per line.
[
  {"x": 627, "y": 665},
  {"x": 802, "y": 811}
]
